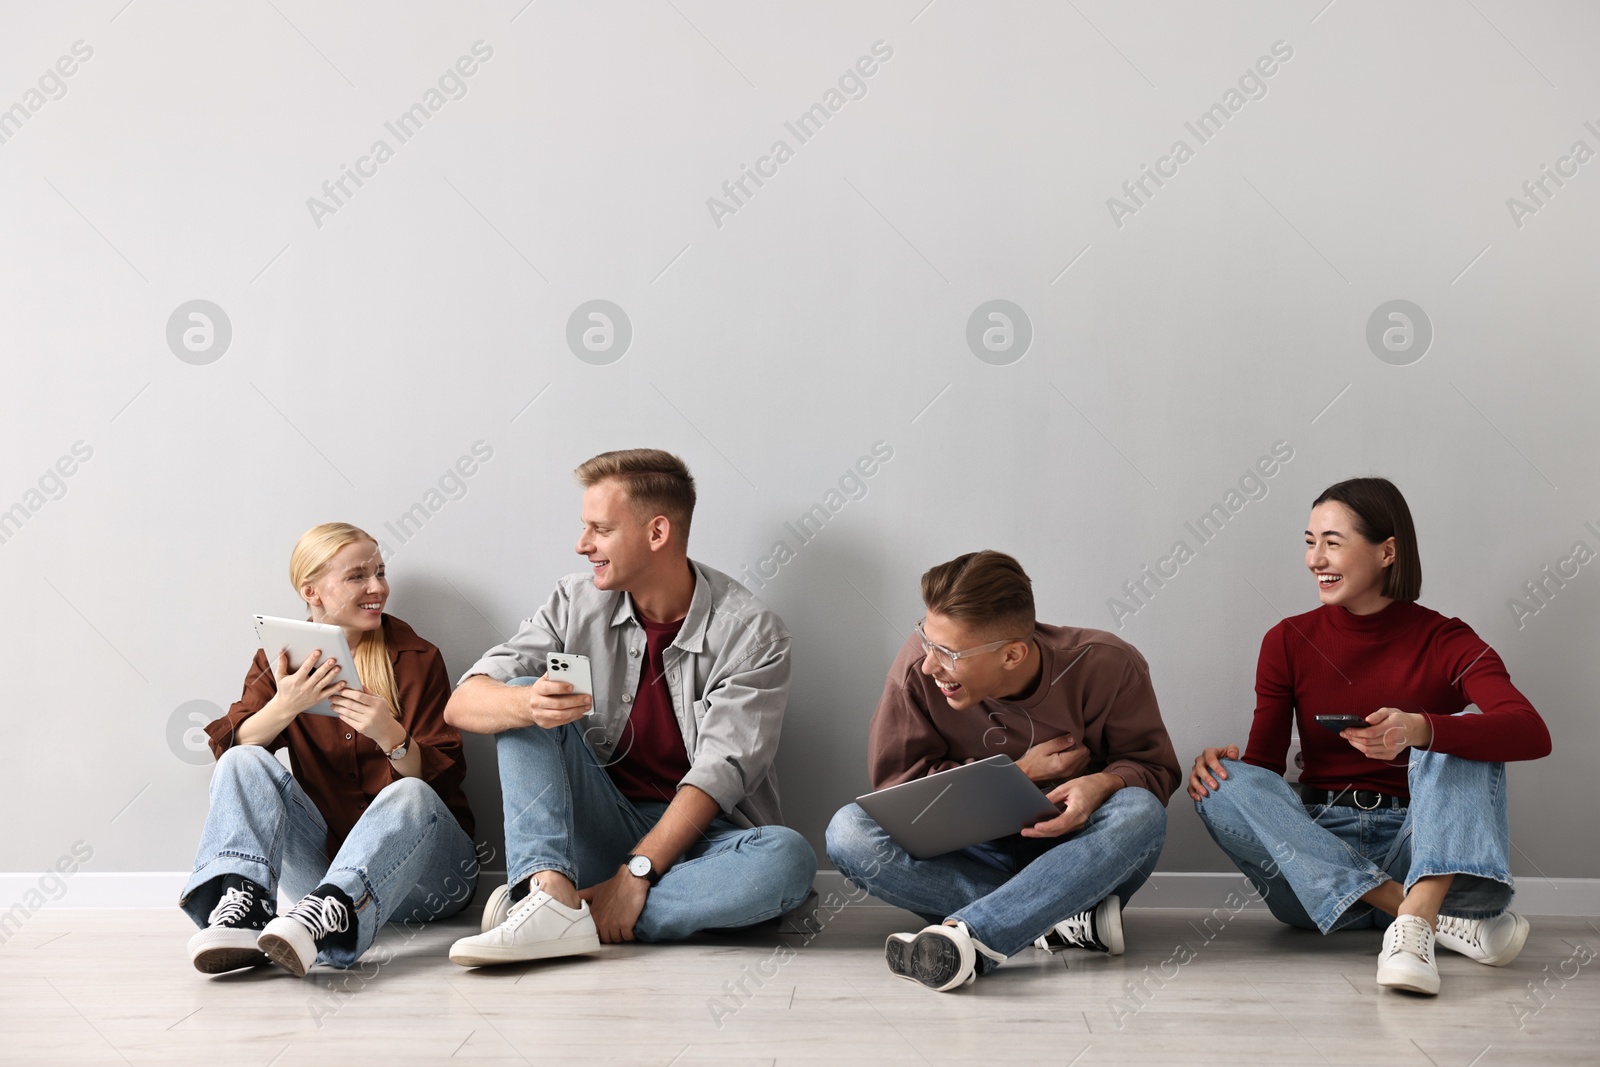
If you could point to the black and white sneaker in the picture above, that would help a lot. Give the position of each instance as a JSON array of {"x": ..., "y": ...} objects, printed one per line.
[
  {"x": 229, "y": 940},
  {"x": 293, "y": 939},
  {"x": 940, "y": 957},
  {"x": 1099, "y": 930}
]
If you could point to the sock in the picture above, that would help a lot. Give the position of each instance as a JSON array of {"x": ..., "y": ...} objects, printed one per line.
[{"x": 521, "y": 889}]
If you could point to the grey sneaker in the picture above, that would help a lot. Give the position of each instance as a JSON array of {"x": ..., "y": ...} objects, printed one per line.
[
  {"x": 1099, "y": 930},
  {"x": 1494, "y": 942}
]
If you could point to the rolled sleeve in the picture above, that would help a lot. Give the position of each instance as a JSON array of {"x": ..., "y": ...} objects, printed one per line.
[
  {"x": 526, "y": 653},
  {"x": 737, "y": 737}
]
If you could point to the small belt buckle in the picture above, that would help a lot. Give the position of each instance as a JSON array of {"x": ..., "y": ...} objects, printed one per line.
[{"x": 1355, "y": 795}]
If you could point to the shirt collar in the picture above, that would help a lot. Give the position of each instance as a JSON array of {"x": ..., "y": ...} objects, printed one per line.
[
  {"x": 692, "y": 634},
  {"x": 400, "y": 637}
]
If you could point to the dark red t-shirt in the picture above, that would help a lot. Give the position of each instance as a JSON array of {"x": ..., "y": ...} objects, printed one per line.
[{"x": 653, "y": 759}]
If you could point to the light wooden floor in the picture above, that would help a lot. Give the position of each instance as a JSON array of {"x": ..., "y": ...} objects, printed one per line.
[{"x": 116, "y": 987}]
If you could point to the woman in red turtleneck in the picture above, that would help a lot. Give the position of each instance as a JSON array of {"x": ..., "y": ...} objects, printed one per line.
[{"x": 1400, "y": 823}]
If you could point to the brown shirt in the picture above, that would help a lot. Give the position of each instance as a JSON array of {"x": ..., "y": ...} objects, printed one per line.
[
  {"x": 1094, "y": 686},
  {"x": 341, "y": 770}
]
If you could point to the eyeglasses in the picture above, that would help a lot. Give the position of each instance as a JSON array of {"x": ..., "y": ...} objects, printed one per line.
[{"x": 947, "y": 657}]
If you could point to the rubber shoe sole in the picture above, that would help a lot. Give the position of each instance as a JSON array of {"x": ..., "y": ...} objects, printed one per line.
[
  {"x": 495, "y": 909},
  {"x": 930, "y": 959},
  {"x": 490, "y": 955},
  {"x": 281, "y": 950},
  {"x": 1108, "y": 924},
  {"x": 1409, "y": 981},
  {"x": 219, "y": 950}
]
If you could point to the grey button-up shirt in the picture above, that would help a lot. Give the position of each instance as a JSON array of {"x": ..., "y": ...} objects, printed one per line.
[{"x": 728, "y": 671}]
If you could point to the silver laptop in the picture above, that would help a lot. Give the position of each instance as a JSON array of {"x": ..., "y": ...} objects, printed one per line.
[{"x": 959, "y": 807}]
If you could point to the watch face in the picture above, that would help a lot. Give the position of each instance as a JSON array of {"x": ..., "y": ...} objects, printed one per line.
[{"x": 639, "y": 866}]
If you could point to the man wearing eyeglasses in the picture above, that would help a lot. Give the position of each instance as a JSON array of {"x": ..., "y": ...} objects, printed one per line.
[{"x": 1075, "y": 709}]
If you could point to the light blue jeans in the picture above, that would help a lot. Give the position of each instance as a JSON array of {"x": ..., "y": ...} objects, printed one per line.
[
  {"x": 1010, "y": 891},
  {"x": 564, "y": 814},
  {"x": 1313, "y": 863},
  {"x": 407, "y": 859}
]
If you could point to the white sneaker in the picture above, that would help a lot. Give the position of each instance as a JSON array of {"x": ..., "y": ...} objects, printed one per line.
[
  {"x": 538, "y": 927},
  {"x": 1494, "y": 942},
  {"x": 1099, "y": 930},
  {"x": 495, "y": 909},
  {"x": 1406, "y": 961},
  {"x": 291, "y": 939},
  {"x": 940, "y": 957}
]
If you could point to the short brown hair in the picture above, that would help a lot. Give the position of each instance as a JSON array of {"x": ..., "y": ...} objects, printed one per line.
[
  {"x": 1380, "y": 513},
  {"x": 987, "y": 590},
  {"x": 657, "y": 482}
]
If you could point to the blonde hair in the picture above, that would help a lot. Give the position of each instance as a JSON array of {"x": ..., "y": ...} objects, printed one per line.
[
  {"x": 311, "y": 554},
  {"x": 657, "y": 483}
]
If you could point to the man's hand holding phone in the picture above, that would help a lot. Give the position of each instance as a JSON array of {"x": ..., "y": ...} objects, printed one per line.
[{"x": 550, "y": 703}]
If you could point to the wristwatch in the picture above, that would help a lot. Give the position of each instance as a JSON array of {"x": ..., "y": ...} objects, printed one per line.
[
  {"x": 400, "y": 751},
  {"x": 641, "y": 867}
]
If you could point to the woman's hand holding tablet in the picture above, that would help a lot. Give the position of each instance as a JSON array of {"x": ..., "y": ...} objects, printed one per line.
[{"x": 316, "y": 679}]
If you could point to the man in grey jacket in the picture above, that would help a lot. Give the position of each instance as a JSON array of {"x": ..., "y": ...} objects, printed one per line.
[{"x": 649, "y": 810}]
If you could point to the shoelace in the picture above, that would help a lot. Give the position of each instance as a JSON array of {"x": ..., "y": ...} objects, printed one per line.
[
  {"x": 1075, "y": 930},
  {"x": 1468, "y": 930},
  {"x": 322, "y": 916},
  {"x": 979, "y": 946},
  {"x": 523, "y": 908},
  {"x": 234, "y": 906},
  {"x": 1414, "y": 938}
]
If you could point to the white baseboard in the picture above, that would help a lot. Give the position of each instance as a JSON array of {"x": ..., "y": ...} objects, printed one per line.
[
  {"x": 124, "y": 889},
  {"x": 1558, "y": 897},
  {"x": 1564, "y": 897}
]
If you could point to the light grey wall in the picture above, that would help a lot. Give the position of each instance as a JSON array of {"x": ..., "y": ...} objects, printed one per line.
[{"x": 772, "y": 346}]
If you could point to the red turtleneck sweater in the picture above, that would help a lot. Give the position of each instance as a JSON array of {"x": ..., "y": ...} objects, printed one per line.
[{"x": 1330, "y": 662}]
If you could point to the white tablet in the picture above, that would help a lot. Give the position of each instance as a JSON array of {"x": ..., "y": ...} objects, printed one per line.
[{"x": 301, "y": 638}]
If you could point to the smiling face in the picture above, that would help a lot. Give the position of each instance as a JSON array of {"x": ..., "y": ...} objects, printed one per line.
[
  {"x": 350, "y": 590},
  {"x": 976, "y": 678},
  {"x": 620, "y": 546},
  {"x": 1349, "y": 570}
]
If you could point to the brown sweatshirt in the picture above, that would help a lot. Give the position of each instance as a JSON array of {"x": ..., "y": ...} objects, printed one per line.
[{"x": 1094, "y": 686}]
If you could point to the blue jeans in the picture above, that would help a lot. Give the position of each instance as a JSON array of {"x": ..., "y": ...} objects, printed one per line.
[
  {"x": 1313, "y": 863},
  {"x": 1010, "y": 891},
  {"x": 407, "y": 857},
  {"x": 564, "y": 814}
]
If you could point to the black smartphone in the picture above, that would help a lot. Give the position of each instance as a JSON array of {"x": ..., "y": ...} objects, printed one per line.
[{"x": 1341, "y": 722}]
